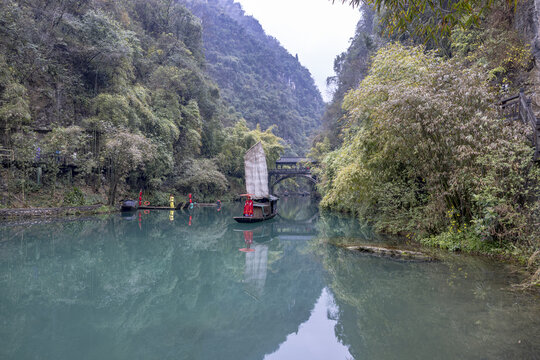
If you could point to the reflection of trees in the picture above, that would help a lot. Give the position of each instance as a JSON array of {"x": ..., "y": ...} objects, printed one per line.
[
  {"x": 107, "y": 289},
  {"x": 298, "y": 184},
  {"x": 335, "y": 226},
  {"x": 400, "y": 310},
  {"x": 297, "y": 208}
]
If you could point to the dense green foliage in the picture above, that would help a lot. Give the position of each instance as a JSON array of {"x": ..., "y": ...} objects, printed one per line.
[
  {"x": 115, "y": 88},
  {"x": 424, "y": 151},
  {"x": 263, "y": 82},
  {"x": 428, "y": 18}
]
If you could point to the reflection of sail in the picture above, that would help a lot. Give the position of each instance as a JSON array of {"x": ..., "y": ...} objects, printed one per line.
[
  {"x": 176, "y": 294},
  {"x": 256, "y": 172},
  {"x": 255, "y": 271}
]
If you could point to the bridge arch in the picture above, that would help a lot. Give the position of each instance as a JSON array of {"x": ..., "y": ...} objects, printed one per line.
[
  {"x": 280, "y": 178},
  {"x": 291, "y": 167}
]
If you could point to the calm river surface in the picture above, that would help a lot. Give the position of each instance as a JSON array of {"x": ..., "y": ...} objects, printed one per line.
[{"x": 177, "y": 286}]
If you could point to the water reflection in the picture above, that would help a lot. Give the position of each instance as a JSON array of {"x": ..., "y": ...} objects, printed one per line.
[
  {"x": 315, "y": 338},
  {"x": 159, "y": 286},
  {"x": 144, "y": 286},
  {"x": 408, "y": 310}
]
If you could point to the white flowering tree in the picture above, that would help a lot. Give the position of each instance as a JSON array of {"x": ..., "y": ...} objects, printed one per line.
[{"x": 125, "y": 152}]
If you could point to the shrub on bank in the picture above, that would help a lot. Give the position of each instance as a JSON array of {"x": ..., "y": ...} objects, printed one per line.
[
  {"x": 422, "y": 139},
  {"x": 75, "y": 197}
]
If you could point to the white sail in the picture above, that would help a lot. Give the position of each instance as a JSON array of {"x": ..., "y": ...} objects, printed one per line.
[{"x": 256, "y": 172}]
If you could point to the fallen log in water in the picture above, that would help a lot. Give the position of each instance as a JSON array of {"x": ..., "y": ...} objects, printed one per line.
[{"x": 392, "y": 253}]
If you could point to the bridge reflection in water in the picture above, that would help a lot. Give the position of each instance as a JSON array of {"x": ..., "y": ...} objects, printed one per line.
[
  {"x": 284, "y": 228},
  {"x": 257, "y": 237},
  {"x": 146, "y": 287}
]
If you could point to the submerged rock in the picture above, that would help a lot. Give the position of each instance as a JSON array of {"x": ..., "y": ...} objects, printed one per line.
[{"x": 392, "y": 253}]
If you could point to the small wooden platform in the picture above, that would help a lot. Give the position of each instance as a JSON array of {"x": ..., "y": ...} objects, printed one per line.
[
  {"x": 178, "y": 207},
  {"x": 156, "y": 208}
]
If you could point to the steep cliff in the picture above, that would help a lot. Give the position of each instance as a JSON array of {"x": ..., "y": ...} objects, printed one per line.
[
  {"x": 527, "y": 23},
  {"x": 263, "y": 82}
]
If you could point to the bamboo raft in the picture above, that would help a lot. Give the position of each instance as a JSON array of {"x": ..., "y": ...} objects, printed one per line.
[
  {"x": 178, "y": 207},
  {"x": 131, "y": 206},
  {"x": 156, "y": 208}
]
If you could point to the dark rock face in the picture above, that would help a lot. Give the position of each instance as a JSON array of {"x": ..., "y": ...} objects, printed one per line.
[
  {"x": 258, "y": 77},
  {"x": 527, "y": 22}
]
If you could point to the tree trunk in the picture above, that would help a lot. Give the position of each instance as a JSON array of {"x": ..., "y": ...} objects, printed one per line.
[
  {"x": 113, "y": 184},
  {"x": 112, "y": 192}
]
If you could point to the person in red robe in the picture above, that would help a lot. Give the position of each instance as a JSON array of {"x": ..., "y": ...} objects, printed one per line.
[
  {"x": 250, "y": 207},
  {"x": 246, "y": 207}
]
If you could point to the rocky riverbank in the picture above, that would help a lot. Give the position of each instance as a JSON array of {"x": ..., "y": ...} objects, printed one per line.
[
  {"x": 393, "y": 253},
  {"x": 14, "y": 213}
]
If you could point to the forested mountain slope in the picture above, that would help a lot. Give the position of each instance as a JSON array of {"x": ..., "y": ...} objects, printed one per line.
[
  {"x": 265, "y": 83},
  {"x": 113, "y": 90}
]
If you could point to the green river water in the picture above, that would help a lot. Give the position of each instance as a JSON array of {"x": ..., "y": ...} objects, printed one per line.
[{"x": 176, "y": 286}]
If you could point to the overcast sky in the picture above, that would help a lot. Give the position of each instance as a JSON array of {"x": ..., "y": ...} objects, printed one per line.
[{"x": 316, "y": 30}]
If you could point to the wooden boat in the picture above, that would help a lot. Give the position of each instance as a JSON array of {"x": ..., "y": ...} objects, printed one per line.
[
  {"x": 129, "y": 205},
  {"x": 263, "y": 209},
  {"x": 251, "y": 220},
  {"x": 264, "y": 204}
]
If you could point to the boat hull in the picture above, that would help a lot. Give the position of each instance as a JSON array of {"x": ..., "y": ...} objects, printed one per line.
[
  {"x": 129, "y": 205},
  {"x": 262, "y": 210},
  {"x": 251, "y": 219}
]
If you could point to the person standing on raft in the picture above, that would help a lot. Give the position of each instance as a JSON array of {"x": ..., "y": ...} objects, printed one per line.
[{"x": 171, "y": 201}]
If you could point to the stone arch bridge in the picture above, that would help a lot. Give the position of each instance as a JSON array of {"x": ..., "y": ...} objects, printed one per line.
[{"x": 290, "y": 167}]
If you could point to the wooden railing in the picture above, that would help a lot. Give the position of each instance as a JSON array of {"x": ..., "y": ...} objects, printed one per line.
[
  {"x": 510, "y": 107},
  {"x": 518, "y": 107},
  {"x": 294, "y": 170}
]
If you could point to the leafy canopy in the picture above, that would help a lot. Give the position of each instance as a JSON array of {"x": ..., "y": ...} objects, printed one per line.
[
  {"x": 423, "y": 140},
  {"x": 429, "y": 18}
]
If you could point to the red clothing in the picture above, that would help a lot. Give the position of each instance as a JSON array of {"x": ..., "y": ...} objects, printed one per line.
[
  {"x": 248, "y": 238},
  {"x": 248, "y": 208}
]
